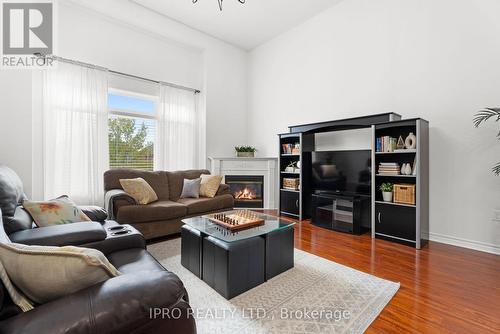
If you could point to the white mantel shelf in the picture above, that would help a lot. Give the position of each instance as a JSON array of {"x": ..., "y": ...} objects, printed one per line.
[{"x": 267, "y": 167}]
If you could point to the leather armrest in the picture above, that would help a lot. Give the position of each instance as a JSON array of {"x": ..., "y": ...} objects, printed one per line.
[
  {"x": 95, "y": 213},
  {"x": 115, "y": 243},
  {"x": 124, "y": 304},
  {"x": 61, "y": 235},
  {"x": 223, "y": 190}
]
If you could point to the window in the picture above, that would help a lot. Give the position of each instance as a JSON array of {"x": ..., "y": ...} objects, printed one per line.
[{"x": 131, "y": 130}]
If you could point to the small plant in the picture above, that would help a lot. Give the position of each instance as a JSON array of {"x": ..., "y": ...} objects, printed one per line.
[
  {"x": 481, "y": 117},
  {"x": 386, "y": 187},
  {"x": 245, "y": 149},
  {"x": 292, "y": 164}
]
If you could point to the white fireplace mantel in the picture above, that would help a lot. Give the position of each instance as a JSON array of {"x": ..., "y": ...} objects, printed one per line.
[{"x": 267, "y": 167}]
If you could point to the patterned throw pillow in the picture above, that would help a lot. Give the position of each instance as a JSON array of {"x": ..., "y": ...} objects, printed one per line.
[
  {"x": 139, "y": 189},
  {"x": 58, "y": 211},
  {"x": 209, "y": 185},
  {"x": 46, "y": 273}
]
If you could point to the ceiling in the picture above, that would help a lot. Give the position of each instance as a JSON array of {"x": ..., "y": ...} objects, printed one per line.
[{"x": 244, "y": 25}]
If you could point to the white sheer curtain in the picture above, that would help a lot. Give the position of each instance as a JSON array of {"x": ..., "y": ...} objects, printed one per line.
[
  {"x": 176, "y": 145},
  {"x": 75, "y": 132}
]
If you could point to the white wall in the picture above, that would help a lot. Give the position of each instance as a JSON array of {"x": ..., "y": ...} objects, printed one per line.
[
  {"x": 136, "y": 41},
  {"x": 15, "y": 122},
  {"x": 435, "y": 59}
]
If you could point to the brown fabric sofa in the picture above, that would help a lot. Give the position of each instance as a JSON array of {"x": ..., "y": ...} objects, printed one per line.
[{"x": 163, "y": 217}]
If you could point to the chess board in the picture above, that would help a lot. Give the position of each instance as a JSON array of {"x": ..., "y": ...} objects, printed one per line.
[{"x": 238, "y": 220}]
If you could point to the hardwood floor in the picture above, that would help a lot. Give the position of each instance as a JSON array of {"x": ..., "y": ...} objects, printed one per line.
[{"x": 444, "y": 289}]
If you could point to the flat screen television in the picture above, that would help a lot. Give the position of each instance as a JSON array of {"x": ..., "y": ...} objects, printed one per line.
[{"x": 344, "y": 172}]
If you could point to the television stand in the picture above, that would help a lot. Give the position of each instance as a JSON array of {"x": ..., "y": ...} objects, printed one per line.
[{"x": 341, "y": 212}]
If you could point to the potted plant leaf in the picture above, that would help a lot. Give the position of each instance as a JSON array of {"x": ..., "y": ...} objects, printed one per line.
[
  {"x": 481, "y": 117},
  {"x": 386, "y": 189},
  {"x": 245, "y": 151}
]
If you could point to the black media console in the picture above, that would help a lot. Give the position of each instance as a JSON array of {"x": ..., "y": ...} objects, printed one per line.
[
  {"x": 339, "y": 188},
  {"x": 343, "y": 213}
]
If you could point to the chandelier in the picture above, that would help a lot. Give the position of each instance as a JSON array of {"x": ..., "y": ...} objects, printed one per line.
[{"x": 220, "y": 2}]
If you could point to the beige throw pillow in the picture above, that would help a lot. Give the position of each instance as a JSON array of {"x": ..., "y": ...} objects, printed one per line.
[
  {"x": 58, "y": 211},
  {"x": 139, "y": 189},
  {"x": 209, "y": 185},
  {"x": 46, "y": 273}
]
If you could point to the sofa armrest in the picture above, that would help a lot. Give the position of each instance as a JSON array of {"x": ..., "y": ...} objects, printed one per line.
[
  {"x": 116, "y": 198},
  {"x": 61, "y": 235},
  {"x": 124, "y": 304},
  {"x": 95, "y": 213},
  {"x": 223, "y": 190},
  {"x": 116, "y": 243}
]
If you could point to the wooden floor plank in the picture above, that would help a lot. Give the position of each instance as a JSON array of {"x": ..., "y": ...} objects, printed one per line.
[{"x": 444, "y": 289}]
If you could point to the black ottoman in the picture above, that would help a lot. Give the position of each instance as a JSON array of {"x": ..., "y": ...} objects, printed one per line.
[
  {"x": 191, "y": 246},
  {"x": 279, "y": 251},
  {"x": 232, "y": 268}
]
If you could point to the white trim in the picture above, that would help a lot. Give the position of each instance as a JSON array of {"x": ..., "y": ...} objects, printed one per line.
[
  {"x": 465, "y": 243},
  {"x": 129, "y": 113},
  {"x": 142, "y": 96}
]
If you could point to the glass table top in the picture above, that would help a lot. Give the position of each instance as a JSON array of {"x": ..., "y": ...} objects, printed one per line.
[{"x": 204, "y": 225}]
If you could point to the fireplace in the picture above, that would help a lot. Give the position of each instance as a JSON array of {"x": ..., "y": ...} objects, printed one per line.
[{"x": 248, "y": 190}]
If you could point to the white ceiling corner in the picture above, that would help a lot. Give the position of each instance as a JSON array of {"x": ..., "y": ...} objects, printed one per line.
[{"x": 244, "y": 25}]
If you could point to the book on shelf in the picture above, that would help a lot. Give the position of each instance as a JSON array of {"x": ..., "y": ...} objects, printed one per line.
[
  {"x": 290, "y": 148},
  {"x": 386, "y": 144},
  {"x": 389, "y": 168}
]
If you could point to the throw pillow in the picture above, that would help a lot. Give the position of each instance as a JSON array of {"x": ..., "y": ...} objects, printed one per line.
[
  {"x": 209, "y": 185},
  {"x": 46, "y": 273},
  {"x": 191, "y": 188},
  {"x": 139, "y": 189},
  {"x": 58, "y": 211}
]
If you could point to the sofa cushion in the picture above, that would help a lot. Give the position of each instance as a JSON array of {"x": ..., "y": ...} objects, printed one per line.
[
  {"x": 160, "y": 210},
  {"x": 139, "y": 190},
  {"x": 176, "y": 181},
  {"x": 191, "y": 188},
  {"x": 204, "y": 204},
  {"x": 46, "y": 273},
  {"x": 21, "y": 220},
  {"x": 209, "y": 185},
  {"x": 157, "y": 180},
  {"x": 134, "y": 260},
  {"x": 11, "y": 191},
  {"x": 58, "y": 211}
]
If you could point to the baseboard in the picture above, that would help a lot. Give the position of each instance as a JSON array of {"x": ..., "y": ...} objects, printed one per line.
[{"x": 476, "y": 245}]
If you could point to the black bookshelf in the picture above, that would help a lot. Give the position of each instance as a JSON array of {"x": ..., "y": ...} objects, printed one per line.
[{"x": 406, "y": 223}]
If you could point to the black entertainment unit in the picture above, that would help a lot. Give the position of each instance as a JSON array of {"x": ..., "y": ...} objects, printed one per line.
[
  {"x": 341, "y": 212},
  {"x": 339, "y": 189}
]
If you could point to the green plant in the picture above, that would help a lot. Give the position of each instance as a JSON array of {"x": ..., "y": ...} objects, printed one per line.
[
  {"x": 482, "y": 116},
  {"x": 386, "y": 187},
  {"x": 245, "y": 149}
]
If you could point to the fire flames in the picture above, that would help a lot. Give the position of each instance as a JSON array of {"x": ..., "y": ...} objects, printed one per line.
[{"x": 246, "y": 193}]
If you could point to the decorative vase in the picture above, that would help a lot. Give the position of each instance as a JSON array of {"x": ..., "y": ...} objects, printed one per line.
[
  {"x": 408, "y": 169},
  {"x": 411, "y": 141},
  {"x": 387, "y": 196},
  {"x": 245, "y": 154}
]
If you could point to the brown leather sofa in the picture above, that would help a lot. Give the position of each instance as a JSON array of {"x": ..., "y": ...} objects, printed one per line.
[
  {"x": 119, "y": 305},
  {"x": 163, "y": 217}
]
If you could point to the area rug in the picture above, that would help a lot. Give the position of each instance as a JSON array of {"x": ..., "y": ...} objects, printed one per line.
[{"x": 316, "y": 296}]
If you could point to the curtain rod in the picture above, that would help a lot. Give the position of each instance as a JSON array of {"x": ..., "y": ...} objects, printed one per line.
[{"x": 71, "y": 61}]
